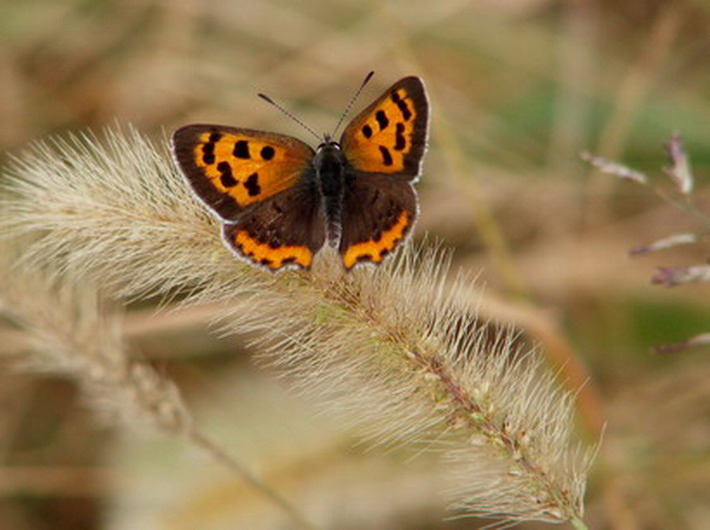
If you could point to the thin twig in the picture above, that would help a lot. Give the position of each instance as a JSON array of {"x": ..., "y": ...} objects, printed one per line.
[{"x": 203, "y": 442}]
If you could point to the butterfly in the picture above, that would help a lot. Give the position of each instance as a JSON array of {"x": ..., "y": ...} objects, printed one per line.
[{"x": 279, "y": 201}]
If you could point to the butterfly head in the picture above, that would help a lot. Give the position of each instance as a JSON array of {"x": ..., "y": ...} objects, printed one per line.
[
  {"x": 328, "y": 154},
  {"x": 328, "y": 143}
]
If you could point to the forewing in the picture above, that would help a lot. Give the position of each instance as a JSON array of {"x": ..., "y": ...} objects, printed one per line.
[
  {"x": 230, "y": 169},
  {"x": 390, "y": 136}
]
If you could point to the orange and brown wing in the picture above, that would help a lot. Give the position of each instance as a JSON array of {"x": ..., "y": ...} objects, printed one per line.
[
  {"x": 285, "y": 230},
  {"x": 230, "y": 169},
  {"x": 390, "y": 136},
  {"x": 378, "y": 214}
]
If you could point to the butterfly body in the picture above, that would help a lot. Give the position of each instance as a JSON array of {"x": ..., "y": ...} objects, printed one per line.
[
  {"x": 279, "y": 201},
  {"x": 332, "y": 176}
]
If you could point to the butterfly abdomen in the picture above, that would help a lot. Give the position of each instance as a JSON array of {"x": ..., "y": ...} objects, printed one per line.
[{"x": 330, "y": 166}]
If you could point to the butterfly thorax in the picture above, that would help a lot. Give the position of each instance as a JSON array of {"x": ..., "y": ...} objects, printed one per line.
[{"x": 331, "y": 167}]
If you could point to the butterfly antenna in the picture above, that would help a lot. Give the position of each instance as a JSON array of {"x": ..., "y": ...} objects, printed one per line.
[
  {"x": 287, "y": 113},
  {"x": 352, "y": 101}
]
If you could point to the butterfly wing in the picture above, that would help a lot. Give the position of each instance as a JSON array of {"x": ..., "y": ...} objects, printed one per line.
[
  {"x": 378, "y": 213},
  {"x": 261, "y": 185},
  {"x": 230, "y": 169},
  {"x": 286, "y": 229},
  {"x": 390, "y": 136},
  {"x": 258, "y": 183},
  {"x": 384, "y": 146}
]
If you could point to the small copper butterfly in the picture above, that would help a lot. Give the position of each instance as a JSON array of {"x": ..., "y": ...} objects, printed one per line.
[{"x": 279, "y": 200}]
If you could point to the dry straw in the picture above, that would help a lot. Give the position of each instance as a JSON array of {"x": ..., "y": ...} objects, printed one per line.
[{"x": 396, "y": 351}]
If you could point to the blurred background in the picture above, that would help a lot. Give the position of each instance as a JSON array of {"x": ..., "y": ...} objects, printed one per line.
[{"x": 519, "y": 88}]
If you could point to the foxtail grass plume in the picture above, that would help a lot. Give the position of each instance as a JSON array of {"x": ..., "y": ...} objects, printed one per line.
[
  {"x": 72, "y": 332},
  {"x": 69, "y": 330},
  {"x": 397, "y": 351}
]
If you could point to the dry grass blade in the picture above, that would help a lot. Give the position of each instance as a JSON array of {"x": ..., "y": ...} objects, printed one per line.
[
  {"x": 392, "y": 350},
  {"x": 698, "y": 340},
  {"x": 665, "y": 243},
  {"x": 613, "y": 168},
  {"x": 672, "y": 276},
  {"x": 679, "y": 172}
]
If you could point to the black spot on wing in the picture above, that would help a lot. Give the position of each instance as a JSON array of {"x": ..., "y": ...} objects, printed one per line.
[
  {"x": 382, "y": 120},
  {"x": 252, "y": 185},
  {"x": 402, "y": 105},
  {"x": 267, "y": 152},
  {"x": 386, "y": 156},
  {"x": 400, "y": 141},
  {"x": 241, "y": 149},
  {"x": 208, "y": 153},
  {"x": 404, "y": 109},
  {"x": 367, "y": 131},
  {"x": 226, "y": 177}
]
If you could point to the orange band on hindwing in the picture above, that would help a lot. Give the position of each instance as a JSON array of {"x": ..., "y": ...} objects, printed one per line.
[
  {"x": 375, "y": 250},
  {"x": 268, "y": 255}
]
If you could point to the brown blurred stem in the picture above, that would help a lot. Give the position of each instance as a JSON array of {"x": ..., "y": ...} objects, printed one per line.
[
  {"x": 629, "y": 98},
  {"x": 216, "y": 453}
]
